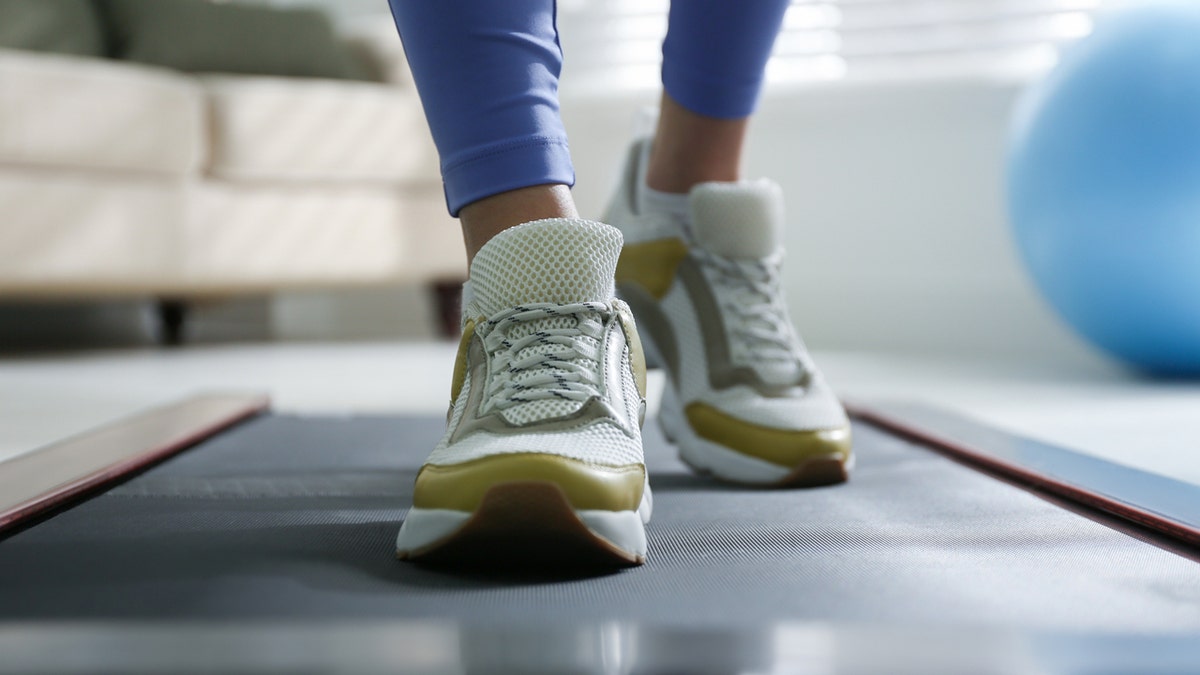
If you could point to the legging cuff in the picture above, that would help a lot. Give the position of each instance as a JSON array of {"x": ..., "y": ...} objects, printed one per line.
[
  {"x": 507, "y": 166},
  {"x": 705, "y": 95}
]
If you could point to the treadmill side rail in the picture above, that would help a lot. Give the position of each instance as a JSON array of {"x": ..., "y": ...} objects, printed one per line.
[
  {"x": 39, "y": 481},
  {"x": 1168, "y": 506}
]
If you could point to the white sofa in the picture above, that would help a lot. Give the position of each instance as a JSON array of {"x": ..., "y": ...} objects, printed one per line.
[{"x": 119, "y": 179}]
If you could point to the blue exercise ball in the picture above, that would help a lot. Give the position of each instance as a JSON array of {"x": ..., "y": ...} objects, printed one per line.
[{"x": 1104, "y": 186}]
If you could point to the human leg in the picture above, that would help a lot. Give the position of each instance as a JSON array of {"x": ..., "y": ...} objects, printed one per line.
[
  {"x": 542, "y": 456},
  {"x": 691, "y": 148},
  {"x": 487, "y": 74},
  {"x": 714, "y": 55},
  {"x": 701, "y": 266}
]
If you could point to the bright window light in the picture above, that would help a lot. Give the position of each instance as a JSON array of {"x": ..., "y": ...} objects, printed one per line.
[{"x": 616, "y": 44}]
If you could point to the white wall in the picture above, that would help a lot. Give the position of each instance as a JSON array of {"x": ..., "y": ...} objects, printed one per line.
[{"x": 897, "y": 234}]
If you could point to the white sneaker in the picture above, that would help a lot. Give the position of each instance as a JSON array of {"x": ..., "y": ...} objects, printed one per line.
[
  {"x": 542, "y": 457},
  {"x": 743, "y": 401}
]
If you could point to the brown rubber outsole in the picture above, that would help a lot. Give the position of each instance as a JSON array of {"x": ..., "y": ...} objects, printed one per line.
[
  {"x": 817, "y": 473},
  {"x": 526, "y": 522}
]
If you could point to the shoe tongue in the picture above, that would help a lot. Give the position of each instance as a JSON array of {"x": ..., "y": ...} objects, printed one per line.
[
  {"x": 738, "y": 220},
  {"x": 559, "y": 260}
]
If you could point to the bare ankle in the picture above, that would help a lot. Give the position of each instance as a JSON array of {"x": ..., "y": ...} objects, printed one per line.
[
  {"x": 691, "y": 148},
  {"x": 490, "y": 216}
]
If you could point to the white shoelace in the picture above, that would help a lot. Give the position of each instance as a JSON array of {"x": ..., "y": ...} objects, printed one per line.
[
  {"x": 749, "y": 291},
  {"x": 545, "y": 351}
]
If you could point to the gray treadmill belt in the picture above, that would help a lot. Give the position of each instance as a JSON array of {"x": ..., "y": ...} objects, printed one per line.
[{"x": 295, "y": 517}]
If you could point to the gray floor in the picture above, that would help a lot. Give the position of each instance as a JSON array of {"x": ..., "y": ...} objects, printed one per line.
[
  {"x": 1099, "y": 410},
  {"x": 294, "y": 518}
]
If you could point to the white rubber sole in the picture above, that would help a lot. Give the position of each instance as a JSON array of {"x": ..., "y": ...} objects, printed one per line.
[{"x": 425, "y": 531}]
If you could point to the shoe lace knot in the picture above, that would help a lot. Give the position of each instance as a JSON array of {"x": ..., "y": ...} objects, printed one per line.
[
  {"x": 547, "y": 353},
  {"x": 749, "y": 292}
]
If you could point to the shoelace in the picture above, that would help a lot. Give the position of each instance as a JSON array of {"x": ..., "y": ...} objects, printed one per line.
[
  {"x": 762, "y": 332},
  {"x": 536, "y": 357}
]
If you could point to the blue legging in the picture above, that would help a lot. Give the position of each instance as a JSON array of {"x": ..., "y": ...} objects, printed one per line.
[{"x": 487, "y": 73}]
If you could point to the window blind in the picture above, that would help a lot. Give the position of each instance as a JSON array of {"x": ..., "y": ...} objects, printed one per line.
[{"x": 617, "y": 43}]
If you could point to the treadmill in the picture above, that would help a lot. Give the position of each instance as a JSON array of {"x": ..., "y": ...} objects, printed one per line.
[{"x": 216, "y": 535}]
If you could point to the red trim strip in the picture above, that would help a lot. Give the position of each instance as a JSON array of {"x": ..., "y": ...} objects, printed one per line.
[
  {"x": 152, "y": 437},
  {"x": 982, "y": 458}
]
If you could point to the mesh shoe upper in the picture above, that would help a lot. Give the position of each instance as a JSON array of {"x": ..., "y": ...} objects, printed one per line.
[
  {"x": 547, "y": 364},
  {"x": 556, "y": 261},
  {"x": 721, "y": 326}
]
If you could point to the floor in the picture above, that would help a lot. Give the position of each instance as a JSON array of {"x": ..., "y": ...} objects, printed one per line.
[{"x": 1085, "y": 405}]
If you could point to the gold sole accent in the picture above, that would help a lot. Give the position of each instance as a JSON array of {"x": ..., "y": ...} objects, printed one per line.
[
  {"x": 788, "y": 448},
  {"x": 460, "y": 361},
  {"x": 462, "y": 487},
  {"x": 525, "y": 522},
  {"x": 637, "y": 354},
  {"x": 651, "y": 264}
]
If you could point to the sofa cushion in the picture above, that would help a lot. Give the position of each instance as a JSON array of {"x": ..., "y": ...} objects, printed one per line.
[
  {"x": 312, "y": 130},
  {"x": 88, "y": 234},
  {"x": 206, "y": 37},
  {"x": 71, "y": 112},
  {"x": 64, "y": 26},
  {"x": 242, "y": 237}
]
